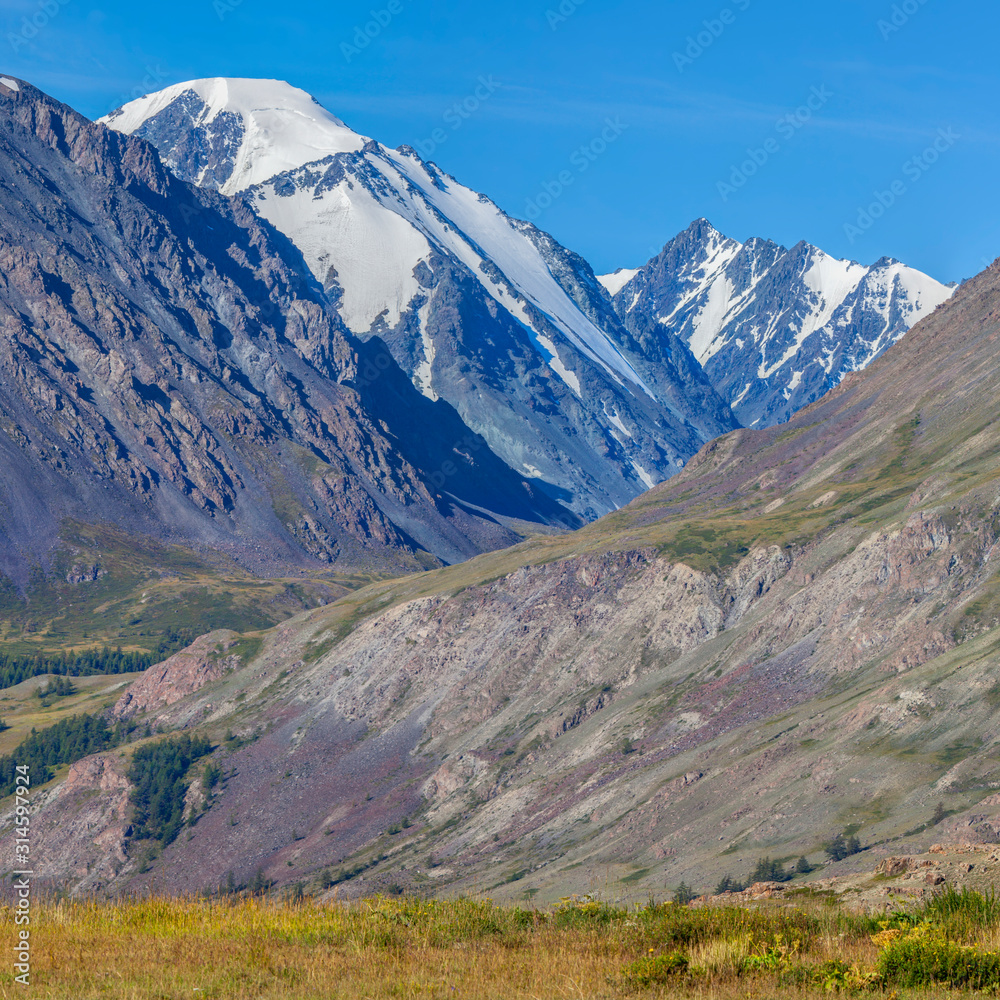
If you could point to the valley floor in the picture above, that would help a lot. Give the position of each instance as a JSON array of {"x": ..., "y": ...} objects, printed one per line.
[{"x": 238, "y": 949}]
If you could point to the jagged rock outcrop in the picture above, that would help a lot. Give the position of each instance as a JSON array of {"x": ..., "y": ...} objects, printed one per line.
[{"x": 205, "y": 660}]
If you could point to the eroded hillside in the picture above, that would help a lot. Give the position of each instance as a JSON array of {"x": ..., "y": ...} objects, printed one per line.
[{"x": 794, "y": 637}]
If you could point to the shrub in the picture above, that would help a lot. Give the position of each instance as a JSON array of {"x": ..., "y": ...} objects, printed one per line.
[
  {"x": 654, "y": 970},
  {"x": 966, "y": 907},
  {"x": 585, "y": 912},
  {"x": 924, "y": 957},
  {"x": 834, "y": 976}
]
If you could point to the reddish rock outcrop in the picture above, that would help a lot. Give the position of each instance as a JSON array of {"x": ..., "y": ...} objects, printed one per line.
[{"x": 204, "y": 661}]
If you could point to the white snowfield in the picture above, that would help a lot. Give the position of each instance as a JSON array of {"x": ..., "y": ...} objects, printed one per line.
[
  {"x": 615, "y": 282},
  {"x": 376, "y": 224},
  {"x": 10, "y": 84}
]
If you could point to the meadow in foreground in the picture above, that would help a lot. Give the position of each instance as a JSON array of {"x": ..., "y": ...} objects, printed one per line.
[{"x": 252, "y": 949}]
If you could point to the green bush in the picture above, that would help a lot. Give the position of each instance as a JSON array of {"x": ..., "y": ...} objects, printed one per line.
[
  {"x": 585, "y": 912},
  {"x": 922, "y": 958},
  {"x": 654, "y": 970}
]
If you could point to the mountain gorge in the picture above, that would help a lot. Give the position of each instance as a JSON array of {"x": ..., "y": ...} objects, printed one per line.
[
  {"x": 794, "y": 636},
  {"x": 171, "y": 371},
  {"x": 774, "y": 328}
]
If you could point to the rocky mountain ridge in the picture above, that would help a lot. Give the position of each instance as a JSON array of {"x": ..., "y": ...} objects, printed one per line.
[
  {"x": 480, "y": 309},
  {"x": 168, "y": 368}
]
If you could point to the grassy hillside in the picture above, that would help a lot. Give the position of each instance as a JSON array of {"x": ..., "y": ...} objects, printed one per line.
[{"x": 108, "y": 588}]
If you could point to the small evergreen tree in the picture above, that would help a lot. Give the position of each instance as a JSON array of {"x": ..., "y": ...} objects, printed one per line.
[
  {"x": 767, "y": 870},
  {"x": 729, "y": 884},
  {"x": 836, "y": 848},
  {"x": 802, "y": 866},
  {"x": 210, "y": 776},
  {"x": 683, "y": 894},
  {"x": 260, "y": 882},
  {"x": 843, "y": 847}
]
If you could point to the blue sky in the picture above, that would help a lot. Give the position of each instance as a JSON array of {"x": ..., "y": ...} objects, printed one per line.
[{"x": 698, "y": 95}]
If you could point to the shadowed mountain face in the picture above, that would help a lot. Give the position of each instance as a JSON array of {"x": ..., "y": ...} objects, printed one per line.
[
  {"x": 774, "y": 328},
  {"x": 482, "y": 310},
  {"x": 168, "y": 368},
  {"x": 797, "y": 635}
]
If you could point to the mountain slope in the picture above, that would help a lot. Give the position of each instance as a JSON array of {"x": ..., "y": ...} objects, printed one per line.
[
  {"x": 774, "y": 328},
  {"x": 480, "y": 309},
  {"x": 167, "y": 369},
  {"x": 796, "y": 635}
]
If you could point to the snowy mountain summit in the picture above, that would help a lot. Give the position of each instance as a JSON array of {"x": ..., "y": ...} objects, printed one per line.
[
  {"x": 774, "y": 328},
  {"x": 236, "y": 133},
  {"x": 481, "y": 309}
]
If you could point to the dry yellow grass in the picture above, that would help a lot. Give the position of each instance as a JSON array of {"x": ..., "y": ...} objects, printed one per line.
[{"x": 257, "y": 950}]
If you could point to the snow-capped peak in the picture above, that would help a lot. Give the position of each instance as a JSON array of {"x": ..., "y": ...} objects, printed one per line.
[
  {"x": 249, "y": 130},
  {"x": 775, "y": 328}
]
